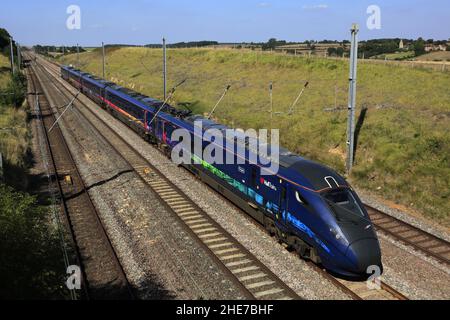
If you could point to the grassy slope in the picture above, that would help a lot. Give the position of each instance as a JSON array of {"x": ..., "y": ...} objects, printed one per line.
[
  {"x": 403, "y": 148},
  {"x": 4, "y": 71},
  {"x": 13, "y": 143},
  {"x": 435, "y": 56}
]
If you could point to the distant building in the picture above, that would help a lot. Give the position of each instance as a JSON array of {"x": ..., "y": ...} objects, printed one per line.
[
  {"x": 319, "y": 49},
  {"x": 401, "y": 45},
  {"x": 433, "y": 47}
]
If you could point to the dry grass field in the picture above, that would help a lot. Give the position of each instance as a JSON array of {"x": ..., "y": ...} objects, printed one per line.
[{"x": 435, "y": 56}]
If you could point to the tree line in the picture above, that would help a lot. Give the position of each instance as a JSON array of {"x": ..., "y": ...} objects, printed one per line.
[{"x": 44, "y": 50}]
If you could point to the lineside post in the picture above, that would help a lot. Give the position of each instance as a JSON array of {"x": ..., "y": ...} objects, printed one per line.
[
  {"x": 271, "y": 103},
  {"x": 78, "y": 56},
  {"x": 104, "y": 60},
  {"x": 164, "y": 68},
  {"x": 352, "y": 98},
  {"x": 13, "y": 67},
  {"x": 19, "y": 56}
]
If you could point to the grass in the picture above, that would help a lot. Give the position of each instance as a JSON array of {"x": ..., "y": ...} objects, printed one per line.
[
  {"x": 4, "y": 71},
  {"x": 435, "y": 56},
  {"x": 403, "y": 146},
  {"x": 14, "y": 140},
  {"x": 31, "y": 257},
  {"x": 397, "y": 55}
]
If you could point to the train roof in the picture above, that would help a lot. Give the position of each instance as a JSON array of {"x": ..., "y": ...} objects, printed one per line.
[{"x": 319, "y": 176}]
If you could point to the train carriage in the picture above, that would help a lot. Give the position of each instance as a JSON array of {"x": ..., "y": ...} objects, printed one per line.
[{"x": 306, "y": 205}]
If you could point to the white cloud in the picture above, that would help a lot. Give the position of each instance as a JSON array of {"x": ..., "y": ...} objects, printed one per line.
[{"x": 264, "y": 4}]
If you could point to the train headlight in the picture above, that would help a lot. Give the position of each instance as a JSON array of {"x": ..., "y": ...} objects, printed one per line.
[
  {"x": 335, "y": 233},
  {"x": 338, "y": 234}
]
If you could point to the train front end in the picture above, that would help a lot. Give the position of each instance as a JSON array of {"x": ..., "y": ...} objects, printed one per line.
[{"x": 358, "y": 249}]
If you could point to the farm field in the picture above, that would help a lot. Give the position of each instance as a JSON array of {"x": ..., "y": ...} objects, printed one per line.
[
  {"x": 435, "y": 56},
  {"x": 396, "y": 56},
  {"x": 403, "y": 138}
]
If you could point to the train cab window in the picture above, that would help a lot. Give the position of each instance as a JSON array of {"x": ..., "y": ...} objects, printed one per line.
[{"x": 343, "y": 203}]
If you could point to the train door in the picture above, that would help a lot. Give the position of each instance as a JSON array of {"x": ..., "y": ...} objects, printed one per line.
[
  {"x": 151, "y": 124},
  {"x": 283, "y": 203},
  {"x": 80, "y": 86},
  {"x": 159, "y": 130},
  {"x": 254, "y": 176},
  {"x": 146, "y": 121}
]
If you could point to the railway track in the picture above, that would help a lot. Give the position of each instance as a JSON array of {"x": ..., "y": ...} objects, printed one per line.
[
  {"x": 359, "y": 290},
  {"x": 246, "y": 271},
  {"x": 410, "y": 235},
  {"x": 55, "y": 188},
  {"x": 356, "y": 290},
  {"x": 103, "y": 276}
]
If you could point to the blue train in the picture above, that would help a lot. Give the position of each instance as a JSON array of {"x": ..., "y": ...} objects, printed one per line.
[{"x": 306, "y": 205}]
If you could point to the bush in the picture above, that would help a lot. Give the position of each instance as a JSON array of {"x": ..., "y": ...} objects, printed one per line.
[
  {"x": 31, "y": 259},
  {"x": 14, "y": 94}
]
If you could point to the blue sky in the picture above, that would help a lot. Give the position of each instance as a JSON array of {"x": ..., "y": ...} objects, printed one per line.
[{"x": 146, "y": 21}]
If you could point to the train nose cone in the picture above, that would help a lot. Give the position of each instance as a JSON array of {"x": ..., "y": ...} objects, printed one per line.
[{"x": 365, "y": 253}]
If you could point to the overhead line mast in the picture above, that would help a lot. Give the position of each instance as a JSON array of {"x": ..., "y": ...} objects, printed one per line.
[
  {"x": 164, "y": 68},
  {"x": 352, "y": 98},
  {"x": 104, "y": 60},
  {"x": 13, "y": 68}
]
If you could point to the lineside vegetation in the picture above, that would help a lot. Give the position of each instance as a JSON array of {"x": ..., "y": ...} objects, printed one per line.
[{"x": 31, "y": 257}]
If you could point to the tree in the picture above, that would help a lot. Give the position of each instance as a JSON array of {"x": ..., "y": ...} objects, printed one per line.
[
  {"x": 332, "y": 51},
  {"x": 4, "y": 38},
  {"x": 273, "y": 43},
  {"x": 31, "y": 266},
  {"x": 419, "y": 47},
  {"x": 4, "y": 41}
]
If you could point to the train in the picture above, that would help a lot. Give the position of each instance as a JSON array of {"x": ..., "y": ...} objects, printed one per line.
[{"x": 305, "y": 205}]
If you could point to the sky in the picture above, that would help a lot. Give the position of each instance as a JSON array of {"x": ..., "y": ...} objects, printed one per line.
[{"x": 147, "y": 21}]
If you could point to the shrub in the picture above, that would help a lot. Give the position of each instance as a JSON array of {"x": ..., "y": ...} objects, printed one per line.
[{"x": 31, "y": 260}]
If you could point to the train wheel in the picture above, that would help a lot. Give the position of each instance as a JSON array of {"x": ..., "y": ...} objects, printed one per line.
[
  {"x": 305, "y": 251},
  {"x": 269, "y": 226},
  {"x": 279, "y": 236},
  {"x": 301, "y": 248}
]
